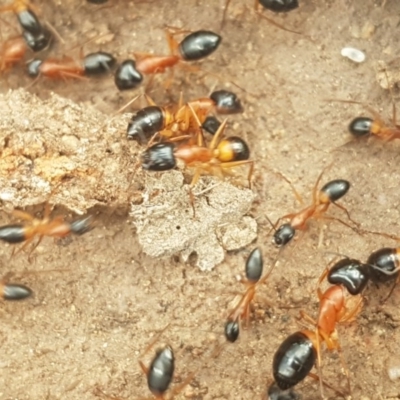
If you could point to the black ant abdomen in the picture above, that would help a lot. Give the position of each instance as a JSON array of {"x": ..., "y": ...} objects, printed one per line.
[
  {"x": 145, "y": 123},
  {"x": 360, "y": 126},
  {"x": 12, "y": 233},
  {"x": 254, "y": 266},
  {"x": 29, "y": 21},
  {"x": 161, "y": 371},
  {"x": 198, "y": 45},
  {"x": 16, "y": 292},
  {"x": 294, "y": 359},
  {"x": 226, "y": 102},
  {"x": 233, "y": 148},
  {"x": 335, "y": 189},
  {"x": 98, "y": 63},
  {"x": 231, "y": 331}
]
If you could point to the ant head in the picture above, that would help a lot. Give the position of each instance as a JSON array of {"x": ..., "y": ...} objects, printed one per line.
[
  {"x": 360, "y": 126},
  {"x": 274, "y": 393},
  {"x": 37, "y": 42},
  {"x": 34, "y": 68},
  {"x": 211, "y": 124},
  {"x": 254, "y": 265},
  {"x": 233, "y": 148},
  {"x": 335, "y": 189},
  {"x": 352, "y": 274},
  {"x": 279, "y": 5},
  {"x": 231, "y": 331},
  {"x": 283, "y": 235},
  {"x": 198, "y": 45},
  {"x": 127, "y": 76},
  {"x": 145, "y": 123},
  {"x": 159, "y": 157},
  {"x": 81, "y": 226},
  {"x": 384, "y": 263},
  {"x": 226, "y": 102}
]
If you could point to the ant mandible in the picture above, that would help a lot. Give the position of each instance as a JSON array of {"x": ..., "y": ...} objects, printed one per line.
[
  {"x": 194, "y": 47},
  {"x": 322, "y": 199},
  {"x": 153, "y": 121},
  {"x": 67, "y": 67},
  {"x": 218, "y": 157},
  {"x": 57, "y": 227}
]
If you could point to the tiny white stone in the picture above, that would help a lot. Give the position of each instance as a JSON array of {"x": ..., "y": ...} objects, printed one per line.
[{"x": 353, "y": 54}]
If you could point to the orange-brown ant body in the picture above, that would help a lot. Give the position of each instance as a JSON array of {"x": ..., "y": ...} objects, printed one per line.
[
  {"x": 376, "y": 127},
  {"x": 336, "y": 305},
  {"x": 218, "y": 158},
  {"x": 322, "y": 199},
  {"x": 193, "y": 47},
  {"x": 68, "y": 67},
  {"x": 57, "y": 228},
  {"x": 12, "y": 51},
  {"x": 241, "y": 311}
]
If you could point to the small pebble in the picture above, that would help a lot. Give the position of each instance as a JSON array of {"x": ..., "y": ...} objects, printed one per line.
[{"x": 353, "y": 54}]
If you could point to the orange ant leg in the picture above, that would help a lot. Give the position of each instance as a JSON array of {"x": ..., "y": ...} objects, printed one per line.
[
  {"x": 356, "y": 230},
  {"x": 315, "y": 191},
  {"x": 347, "y": 213},
  {"x": 234, "y": 164},
  {"x": 22, "y": 215},
  {"x": 227, "y": 2}
]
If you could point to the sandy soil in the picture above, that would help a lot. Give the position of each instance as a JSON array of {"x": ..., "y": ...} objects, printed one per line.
[{"x": 90, "y": 321}]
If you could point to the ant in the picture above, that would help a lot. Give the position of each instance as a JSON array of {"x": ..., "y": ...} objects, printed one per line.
[
  {"x": 278, "y": 6},
  {"x": 335, "y": 306},
  {"x": 365, "y": 126},
  {"x": 322, "y": 199},
  {"x": 194, "y": 47},
  {"x": 153, "y": 120},
  {"x": 217, "y": 158},
  {"x": 253, "y": 269},
  {"x": 66, "y": 67},
  {"x": 160, "y": 372},
  {"x": 57, "y": 227}
]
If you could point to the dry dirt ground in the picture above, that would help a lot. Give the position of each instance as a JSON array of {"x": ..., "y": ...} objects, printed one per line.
[{"x": 89, "y": 322}]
